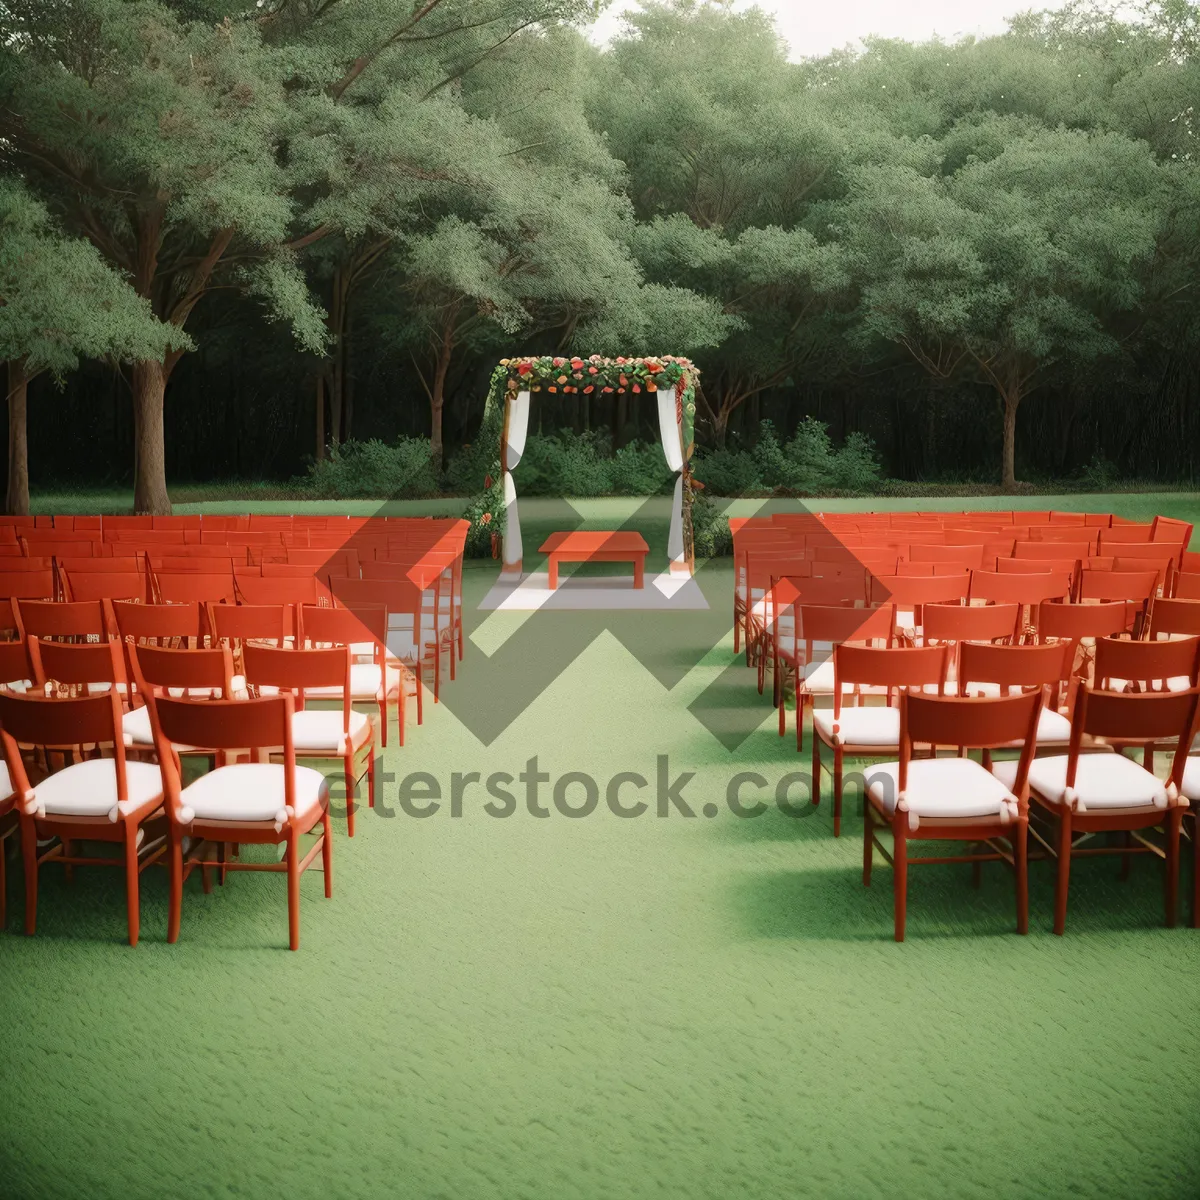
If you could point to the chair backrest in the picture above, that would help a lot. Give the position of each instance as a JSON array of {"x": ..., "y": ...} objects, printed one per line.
[
  {"x": 107, "y": 585},
  {"x": 189, "y": 587},
  {"x": 1059, "y": 517},
  {"x": 305, "y": 589},
  {"x": 970, "y": 723},
  {"x": 158, "y": 622},
  {"x": 888, "y": 667},
  {"x": 1133, "y": 717},
  {"x": 1169, "y": 529},
  {"x": 343, "y": 626},
  {"x": 77, "y": 663},
  {"x": 56, "y": 619},
  {"x": 913, "y": 591},
  {"x": 1187, "y": 585},
  {"x": 299, "y": 669},
  {"x": 837, "y": 624},
  {"x": 1075, "y": 621},
  {"x": 1146, "y": 663},
  {"x": 994, "y": 587},
  {"x": 262, "y": 622},
  {"x": 114, "y": 564},
  {"x": 973, "y": 623},
  {"x": 27, "y": 585},
  {"x": 176, "y": 564},
  {"x": 1124, "y": 534},
  {"x": 1169, "y": 617},
  {"x": 162, "y": 667},
  {"x": 1117, "y": 585},
  {"x": 34, "y": 720},
  {"x": 1053, "y": 548},
  {"x": 964, "y": 556},
  {"x": 1013, "y": 666}
]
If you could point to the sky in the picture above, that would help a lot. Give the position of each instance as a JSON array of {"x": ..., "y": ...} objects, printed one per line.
[{"x": 818, "y": 26}]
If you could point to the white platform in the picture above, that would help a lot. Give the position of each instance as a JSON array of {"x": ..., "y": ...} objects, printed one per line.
[{"x": 662, "y": 593}]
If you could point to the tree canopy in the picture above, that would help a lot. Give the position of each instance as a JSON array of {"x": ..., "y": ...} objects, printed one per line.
[{"x": 354, "y": 207}]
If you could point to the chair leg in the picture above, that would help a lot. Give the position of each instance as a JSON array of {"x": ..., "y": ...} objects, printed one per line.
[
  {"x": 737, "y": 633},
  {"x": 175, "y": 887},
  {"x": 781, "y": 694},
  {"x": 799, "y": 714},
  {"x": 1174, "y": 822},
  {"x": 1020, "y": 845},
  {"x": 371, "y": 779},
  {"x": 293, "y": 886},
  {"x": 348, "y": 763},
  {"x": 3, "y": 885},
  {"x": 68, "y": 870},
  {"x": 131, "y": 883},
  {"x": 837, "y": 788},
  {"x": 383, "y": 713},
  {"x": 816, "y": 771},
  {"x": 1063, "y": 878},
  {"x": 327, "y": 853},
  {"x": 900, "y": 873},
  {"x": 420, "y": 695},
  {"x": 1126, "y": 859},
  {"x": 868, "y": 842},
  {"x": 29, "y": 855}
]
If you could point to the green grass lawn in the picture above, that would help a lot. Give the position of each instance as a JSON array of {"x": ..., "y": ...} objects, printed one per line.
[{"x": 604, "y": 1007}]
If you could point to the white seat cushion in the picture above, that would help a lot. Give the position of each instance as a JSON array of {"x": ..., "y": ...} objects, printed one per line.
[
  {"x": 1191, "y": 779},
  {"x": 860, "y": 725},
  {"x": 89, "y": 789},
  {"x": 251, "y": 792},
  {"x": 316, "y": 730},
  {"x": 818, "y": 677},
  {"x": 1102, "y": 781},
  {"x": 1053, "y": 727},
  {"x": 364, "y": 684},
  {"x": 942, "y": 788},
  {"x": 6, "y": 788}
]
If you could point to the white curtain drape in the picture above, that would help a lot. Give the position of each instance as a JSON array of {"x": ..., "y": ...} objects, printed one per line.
[
  {"x": 516, "y": 432},
  {"x": 672, "y": 443}
]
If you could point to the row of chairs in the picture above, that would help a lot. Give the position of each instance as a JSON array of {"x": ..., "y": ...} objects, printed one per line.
[{"x": 126, "y": 713}]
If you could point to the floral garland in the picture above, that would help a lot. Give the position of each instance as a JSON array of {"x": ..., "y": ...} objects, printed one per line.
[{"x": 569, "y": 376}]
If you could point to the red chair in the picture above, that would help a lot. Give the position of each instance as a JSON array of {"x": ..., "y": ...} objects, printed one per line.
[
  {"x": 1122, "y": 535},
  {"x": 995, "y": 670},
  {"x": 798, "y": 629},
  {"x": 992, "y": 587},
  {"x": 201, "y": 675},
  {"x": 177, "y": 625},
  {"x": 271, "y": 590},
  {"x": 869, "y": 731},
  {"x": 91, "y": 800},
  {"x": 909, "y": 594},
  {"x": 56, "y": 619},
  {"x": 966, "y": 558},
  {"x": 27, "y": 585},
  {"x": 194, "y": 587},
  {"x": 364, "y": 630},
  {"x": 242, "y": 803},
  {"x": 320, "y": 733},
  {"x": 1174, "y": 618},
  {"x": 411, "y": 639},
  {"x": 953, "y": 799},
  {"x": 1108, "y": 793},
  {"x": 236, "y": 623},
  {"x": 107, "y": 585}
]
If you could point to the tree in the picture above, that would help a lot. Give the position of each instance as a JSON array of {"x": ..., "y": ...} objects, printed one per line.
[
  {"x": 1010, "y": 265},
  {"x": 59, "y": 301},
  {"x": 161, "y": 141}
]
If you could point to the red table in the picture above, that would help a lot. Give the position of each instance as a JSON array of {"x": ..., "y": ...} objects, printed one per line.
[{"x": 596, "y": 547}]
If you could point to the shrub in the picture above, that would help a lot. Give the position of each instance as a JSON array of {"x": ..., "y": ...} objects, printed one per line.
[
  {"x": 1101, "y": 474},
  {"x": 729, "y": 472},
  {"x": 711, "y": 535},
  {"x": 809, "y": 464},
  {"x": 376, "y": 470}
]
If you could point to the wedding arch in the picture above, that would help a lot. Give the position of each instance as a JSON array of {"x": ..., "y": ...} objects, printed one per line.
[{"x": 669, "y": 382}]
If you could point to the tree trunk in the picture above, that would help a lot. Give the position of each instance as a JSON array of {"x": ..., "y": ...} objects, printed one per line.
[
  {"x": 1008, "y": 474},
  {"x": 437, "y": 398},
  {"x": 720, "y": 426},
  {"x": 149, "y": 381},
  {"x": 17, "y": 501},
  {"x": 620, "y": 421}
]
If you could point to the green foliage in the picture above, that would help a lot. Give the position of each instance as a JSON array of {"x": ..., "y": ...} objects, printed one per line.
[
  {"x": 808, "y": 465},
  {"x": 711, "y": 535},
  {"x": 401, "y": 471},
  {"x": 583, "y": 464},
  {"x": 59, "y": 300}
]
